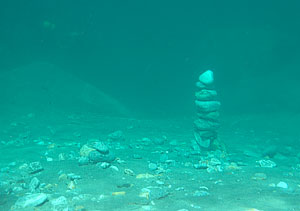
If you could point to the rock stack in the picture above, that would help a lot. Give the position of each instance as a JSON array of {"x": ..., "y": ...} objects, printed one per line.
[{"x": 207, "y": 106}]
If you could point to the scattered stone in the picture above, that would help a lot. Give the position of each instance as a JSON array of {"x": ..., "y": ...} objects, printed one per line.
[
  {"x": 152, "y": 166},
  {"x": 103, "y": 165},
  {"x": 32, "y": 200},
  {"x": 116, "y": 136},
  {"x": 60, "y": 203},
  {"x": 200, "y": 193},
  {"x": 83, "y": 161},
  {"x": 34, "y": 185},
  {"x": 259, "y": 176},
  {"x": 73, "y": 176},
  {"x": 266, "y": 163},
  {"x": 282, "y": 185},
  {"x": 115, "y": 168},
  {"x": 85, "y": 150},
  {"x": 35, "y": 167},
  {"x": 96, "y": 157},
  {"x": 129, "y": 172},
  {"x": 154, "y": 193},
  {"x": 71, "y": 185}
]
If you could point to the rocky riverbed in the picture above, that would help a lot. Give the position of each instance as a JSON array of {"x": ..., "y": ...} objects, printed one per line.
[{"x": 60, "y": 161}]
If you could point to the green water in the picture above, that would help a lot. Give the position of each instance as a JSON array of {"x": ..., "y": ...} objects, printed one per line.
[
  {"x": 148, "y": 54},
  {"x": 74, "y": 71}
]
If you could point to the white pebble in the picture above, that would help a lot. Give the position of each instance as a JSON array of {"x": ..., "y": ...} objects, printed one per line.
[{"x": 282, "y": 185}]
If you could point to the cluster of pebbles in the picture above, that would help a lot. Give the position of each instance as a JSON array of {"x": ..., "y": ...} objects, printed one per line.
[{"x": 207, "y": 107}]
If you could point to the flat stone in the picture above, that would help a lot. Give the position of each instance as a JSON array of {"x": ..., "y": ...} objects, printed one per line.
[
  {"x": 214, "y": 115},
  {"x": 32, "y": 200},
  {"x": 206, "y": 125},
  {"x": 35, "y": 167},
  {"x": 206, "y": 95},
  {"x": 207, "y": 106}
]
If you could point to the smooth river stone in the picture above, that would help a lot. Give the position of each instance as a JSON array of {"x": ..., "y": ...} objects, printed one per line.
[
  {"x": 206, "y": 125},
  {"x": 206, "y": 94},
  {"x": 207, "y": 106},
  {"x": 207, "y": 77},
  {"x": 214, "y": 116}
]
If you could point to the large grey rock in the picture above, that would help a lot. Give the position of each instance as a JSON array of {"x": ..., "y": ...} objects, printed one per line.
[{"x": 32, "y": 200}]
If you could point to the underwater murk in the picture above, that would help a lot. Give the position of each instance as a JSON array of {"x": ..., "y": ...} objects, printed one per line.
[{"x": 149, "y": 105}]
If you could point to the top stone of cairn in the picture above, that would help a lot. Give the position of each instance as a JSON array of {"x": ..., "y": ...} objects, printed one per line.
[{"x": 207, "y": 77}]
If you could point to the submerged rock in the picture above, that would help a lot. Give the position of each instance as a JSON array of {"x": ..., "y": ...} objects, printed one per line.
[
  {"x": 32, "y": 200},
  {"x": 207, "y": 77}
]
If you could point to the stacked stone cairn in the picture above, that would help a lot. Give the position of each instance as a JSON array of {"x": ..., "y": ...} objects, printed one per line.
[{"x": 207, "y": 107}]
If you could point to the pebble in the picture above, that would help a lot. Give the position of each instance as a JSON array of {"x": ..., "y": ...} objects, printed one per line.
[
  {"x": 282, "y": 185},
  {"x": 60, "y": 203},
  {"x": 103, "y": 165},
  {"x": 201, "y": 193},
  {"x": 266, "y": 163},
  {"x": 34, "y": 184},
  {"x": 259, "y": 176},
  {"x": 152, "y": 166},
  {"x": 116, "y": 136},
  {"x": 35, "y": 167}
]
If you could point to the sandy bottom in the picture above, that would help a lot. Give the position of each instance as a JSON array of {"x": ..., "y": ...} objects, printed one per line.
[{"x": 232, "y": 180}]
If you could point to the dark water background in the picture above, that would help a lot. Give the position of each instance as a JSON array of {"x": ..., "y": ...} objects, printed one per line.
[{"x": 148, "y": 54}]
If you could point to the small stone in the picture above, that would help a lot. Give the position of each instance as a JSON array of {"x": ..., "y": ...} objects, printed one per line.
[
  {"x": 201, "y": 193},
  {"x": 85, "y": 150},
  {"x": 152, "y": 166},
  {"x": 282, "y": 185},
  {"x": 200, "y": 85},
  {"x": 103, "y": 165},
  {"x": 129, "y": 172},
  {"x": 35, "y": 167},
  {"x": 266, "y": 163},
  {"x": 32, "y": 200},
  {"x": 71, "y": 185},
  {"x": 116, "y": 136},
  {"x": 259, "y": 176},
  {"x": 207, "y": 77},
  {"x": 34, "y": 184},
  {"x": 83, "y": 161},
  {"x": 59, "y": 202},
  {"x": 95, "y": 157}
]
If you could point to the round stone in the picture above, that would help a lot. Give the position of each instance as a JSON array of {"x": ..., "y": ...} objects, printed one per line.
[{"x": 207, "y": 77}]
